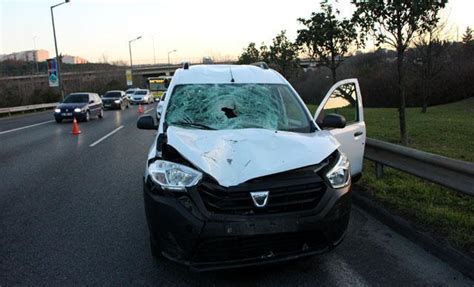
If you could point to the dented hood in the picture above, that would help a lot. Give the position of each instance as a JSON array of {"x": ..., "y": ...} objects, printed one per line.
[{"x": 234, "y": 156}]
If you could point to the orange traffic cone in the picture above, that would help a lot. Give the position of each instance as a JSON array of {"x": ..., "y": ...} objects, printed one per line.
[
  {"x": 140, "y": 110},
  {"x": 75, "y": 128}
]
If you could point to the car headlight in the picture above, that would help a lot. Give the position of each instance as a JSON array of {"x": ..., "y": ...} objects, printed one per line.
[
  {"x": 117, "y": 101},
  {"x": 57, "y": 110},
  {"x": 339, "y": 175},
  {"x": 173, "y": 176},
  {"x": 77, "y": 110},
  {"x": 145, "y": 98}
]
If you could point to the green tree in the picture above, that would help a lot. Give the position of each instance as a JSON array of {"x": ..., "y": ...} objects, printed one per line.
[
  {"x": 250, "y": 55},
  {"x": 394, "y": 23},
  {"x": 264, "y": 53},
  {"x": 283, "y": 55},
  {"x": 467, "y": 37},
  {"x": 325, "y": 38}
]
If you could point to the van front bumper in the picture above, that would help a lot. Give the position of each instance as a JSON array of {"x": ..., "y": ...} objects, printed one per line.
[{"x": 187, "y": 233}]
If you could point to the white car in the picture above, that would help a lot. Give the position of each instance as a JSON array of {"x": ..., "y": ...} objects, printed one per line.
[
  {"x": 241, "y": 173},
  {"x": 129, "y": 93},
  {"x": 142, "y": 96},
  {"x": 159, "y": 106}
]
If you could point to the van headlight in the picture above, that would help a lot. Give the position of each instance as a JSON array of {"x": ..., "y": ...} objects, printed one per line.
[
  {"x": 339, "y": 175},
  {"x": 173, "y": 176}
]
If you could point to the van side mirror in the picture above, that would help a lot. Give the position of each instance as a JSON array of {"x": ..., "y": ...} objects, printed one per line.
[
  {"x": 333, "y": 121},
  {"x": 146, "y": 123}
]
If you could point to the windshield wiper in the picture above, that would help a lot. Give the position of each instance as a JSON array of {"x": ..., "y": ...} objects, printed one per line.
[{"x": 192, "y": 124}]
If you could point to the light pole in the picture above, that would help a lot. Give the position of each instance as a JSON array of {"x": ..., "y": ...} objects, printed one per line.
[
  {"x": 35, "y": 54},
  {"x": 56, "y": 49},
  {"x": 130, "y": 50},
  {"x": 169, "y": 56},
  {"x": 154, "y": 53}
]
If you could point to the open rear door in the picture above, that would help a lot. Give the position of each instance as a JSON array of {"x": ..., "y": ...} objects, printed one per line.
[{"x": 344, "y": 98}]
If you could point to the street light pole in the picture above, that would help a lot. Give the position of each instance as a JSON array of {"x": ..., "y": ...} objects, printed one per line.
[
  {"x": 130, "y": 51},
  {"x": 35, "y": 54},
  {"x": 58, "y": 64},
  {"x": 169, "y": 56},
  {"x": 154, "y": 53}
]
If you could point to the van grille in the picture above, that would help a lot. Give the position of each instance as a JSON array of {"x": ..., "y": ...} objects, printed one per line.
[{"x": 287, "y": 193}]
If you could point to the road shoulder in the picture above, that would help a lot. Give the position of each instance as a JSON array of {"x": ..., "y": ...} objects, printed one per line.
[{"x": 441, "y": 249}]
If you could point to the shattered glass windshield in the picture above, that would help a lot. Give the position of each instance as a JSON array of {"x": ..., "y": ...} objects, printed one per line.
[{"x": 237, "y": 106}]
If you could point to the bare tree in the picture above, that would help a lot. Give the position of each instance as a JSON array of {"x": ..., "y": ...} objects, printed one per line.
[
  {"x": 104, "y": 59},
  {"x": 431, "y": 57}
]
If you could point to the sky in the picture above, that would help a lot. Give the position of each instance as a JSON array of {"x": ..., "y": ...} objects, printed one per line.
[{"x": 99, "y": 30}]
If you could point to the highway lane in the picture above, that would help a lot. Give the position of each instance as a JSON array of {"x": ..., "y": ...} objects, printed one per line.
[
  {"x": 20, "y": 121},
  {"x": 72, "y": 214}
]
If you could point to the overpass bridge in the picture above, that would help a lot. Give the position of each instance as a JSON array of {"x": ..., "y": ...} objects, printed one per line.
[
  {"x": 100, "y": 79},
  {"x": 168, "y": 70}
]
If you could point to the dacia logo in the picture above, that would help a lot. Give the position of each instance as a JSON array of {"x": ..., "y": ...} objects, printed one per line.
[{"x": 259, "y": 198}]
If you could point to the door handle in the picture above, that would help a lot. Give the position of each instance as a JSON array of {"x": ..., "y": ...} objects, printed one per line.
[{"x": 359, "y": 133}]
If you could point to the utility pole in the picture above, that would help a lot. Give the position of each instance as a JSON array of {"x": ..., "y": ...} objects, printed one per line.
[
  {"x": 154, "y": 53},
  {"x": 130, "y": 50},
  {"x": 58, "y": 61},
  {"x": 36, "y": 54},
  {"x": 169, "y": 64}
]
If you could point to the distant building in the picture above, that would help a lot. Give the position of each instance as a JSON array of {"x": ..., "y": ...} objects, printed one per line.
[
  {"x": 40, "y": 56},
  {"x": 73, "y": 60},
  {"x": 28, "y": 56}
]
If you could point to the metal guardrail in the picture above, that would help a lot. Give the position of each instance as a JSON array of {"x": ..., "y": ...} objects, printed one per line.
[
  {"x": 448, "y": 172},
  {"x": 12, "y": 110}
]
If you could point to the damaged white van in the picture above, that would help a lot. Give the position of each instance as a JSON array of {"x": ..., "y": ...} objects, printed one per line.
[{"x": 241, "y": 173}]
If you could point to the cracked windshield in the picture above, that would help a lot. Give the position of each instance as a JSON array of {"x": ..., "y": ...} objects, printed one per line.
[{"x": 237, "y": 106}]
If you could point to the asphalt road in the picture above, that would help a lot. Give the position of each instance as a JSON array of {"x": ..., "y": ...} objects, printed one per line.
[{"x": 71, "y": 213}]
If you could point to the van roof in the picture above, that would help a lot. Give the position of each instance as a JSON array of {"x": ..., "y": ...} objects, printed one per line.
[{"x": 217, "y": 74}]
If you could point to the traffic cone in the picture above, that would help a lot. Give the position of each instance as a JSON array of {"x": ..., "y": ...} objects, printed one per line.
[
  {"x": 75, "y": 128},
  {"x": 140, "y": 110}
]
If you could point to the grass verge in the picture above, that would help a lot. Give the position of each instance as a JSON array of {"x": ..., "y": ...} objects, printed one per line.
[{"x": 446, "y": 130}]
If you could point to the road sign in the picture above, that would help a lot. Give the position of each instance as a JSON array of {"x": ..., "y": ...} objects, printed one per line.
[
  {"x": 128, "y": 74},
  {"x": 53, "y": 73}
]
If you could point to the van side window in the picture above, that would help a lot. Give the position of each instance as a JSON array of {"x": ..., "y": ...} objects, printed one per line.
[{"x": 343, "y": 101}]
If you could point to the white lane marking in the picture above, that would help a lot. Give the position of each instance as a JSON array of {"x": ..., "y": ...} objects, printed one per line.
[
  {"x": 25, "y": 127},
  {"x": 106, "y": 136},
  {"x": 149, "y": 110}
]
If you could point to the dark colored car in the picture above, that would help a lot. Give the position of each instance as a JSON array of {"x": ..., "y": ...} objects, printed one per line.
[
  {"x": 81, "y": 106},
  {"x": 115, "y": 100}
]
